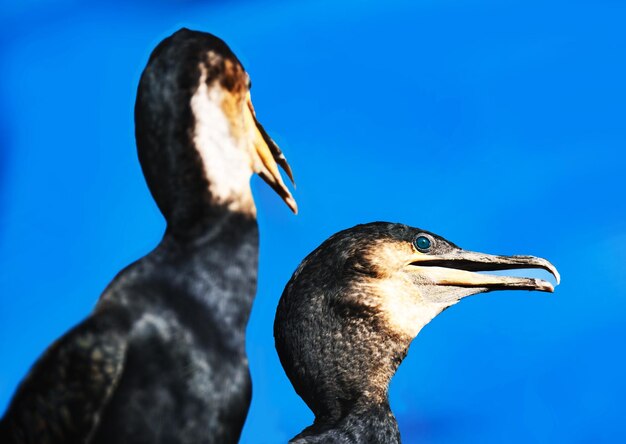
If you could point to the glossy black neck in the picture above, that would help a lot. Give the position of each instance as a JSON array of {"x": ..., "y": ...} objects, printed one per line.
[
  {"x": 366, "y": 423},
  {"x": 199, "y": 222},
  {"x": 211, "y": 273}
]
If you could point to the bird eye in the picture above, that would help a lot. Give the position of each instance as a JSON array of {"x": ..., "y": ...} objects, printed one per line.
[{"x": 422, "y": 243}]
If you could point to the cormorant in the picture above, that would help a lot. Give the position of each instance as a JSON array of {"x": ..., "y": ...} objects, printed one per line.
[
  {"x": 351, "y": 309},
  {"x": 162, "y": 357}
]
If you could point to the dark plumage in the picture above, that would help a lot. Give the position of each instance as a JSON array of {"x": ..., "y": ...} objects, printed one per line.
[
  {"x": 351, "y": 309},
  {"x": 162, "y": 357}
]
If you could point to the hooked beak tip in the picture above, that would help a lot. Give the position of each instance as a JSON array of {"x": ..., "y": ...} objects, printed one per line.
[{"x": 269, "y": 157}]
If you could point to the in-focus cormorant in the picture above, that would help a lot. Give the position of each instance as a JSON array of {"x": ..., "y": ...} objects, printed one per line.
[
  {"x": 347, "y": 316},
  {"x": 162, "y": 357}
]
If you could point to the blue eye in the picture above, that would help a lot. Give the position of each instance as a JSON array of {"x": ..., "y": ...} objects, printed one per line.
[{"x": 422, "y": 243}]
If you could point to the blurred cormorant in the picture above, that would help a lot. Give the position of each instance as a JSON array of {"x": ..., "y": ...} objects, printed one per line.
[
  {"x": 162, "y": 357},
  {"x": 347, "y": 316}
]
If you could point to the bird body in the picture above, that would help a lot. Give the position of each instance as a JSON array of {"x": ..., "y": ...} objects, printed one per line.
[
  {"x": 162, "y": 357},
  {"x": 174, "y": 322},
  {"x": 186, "y": 372},
  {"x": 347, "y": 316}
]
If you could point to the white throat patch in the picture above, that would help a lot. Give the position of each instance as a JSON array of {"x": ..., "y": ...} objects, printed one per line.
[
  {"x": 226, "y": 159},
  {"x": 406, "y": 312}
]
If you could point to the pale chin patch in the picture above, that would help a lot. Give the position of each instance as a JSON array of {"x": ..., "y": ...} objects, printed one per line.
[
  {"x": 226, "y": 162},
  {"x": 405, "y": 311}
]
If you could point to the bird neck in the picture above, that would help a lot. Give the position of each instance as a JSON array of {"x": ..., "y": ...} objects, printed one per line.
[
  {"x": 355, "y": 376},
  {"x": 365, "y": 423},
  {"x": 214, "y": 269},
  {"x": 200, "y": 219}
]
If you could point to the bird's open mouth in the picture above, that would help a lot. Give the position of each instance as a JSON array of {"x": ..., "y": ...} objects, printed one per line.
[
  {"x": 269, "y": 157},
  {"x": 462, "y": 269}
]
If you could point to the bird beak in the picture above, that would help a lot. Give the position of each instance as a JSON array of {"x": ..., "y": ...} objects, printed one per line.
[
  {"x": 460, "y": 268},
  {"x": 267, "y": 157}
]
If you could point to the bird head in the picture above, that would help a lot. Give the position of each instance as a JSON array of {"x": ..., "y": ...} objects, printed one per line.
[
  {"x": 351, "y": 309},
  {"x": 198, "y": 137}
]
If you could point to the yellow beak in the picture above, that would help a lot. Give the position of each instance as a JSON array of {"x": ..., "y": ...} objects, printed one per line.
[
  {"x": 459, "y": 268},
  {"x": 268, "y": 157}
]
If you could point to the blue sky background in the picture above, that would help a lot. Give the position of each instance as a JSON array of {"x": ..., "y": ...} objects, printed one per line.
[{"x": 497, "y": 124}]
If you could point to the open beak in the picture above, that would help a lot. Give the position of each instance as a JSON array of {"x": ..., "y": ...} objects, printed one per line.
[
  {"x": 460, "y": 268},
  {"x": 268, "y": 157}
]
